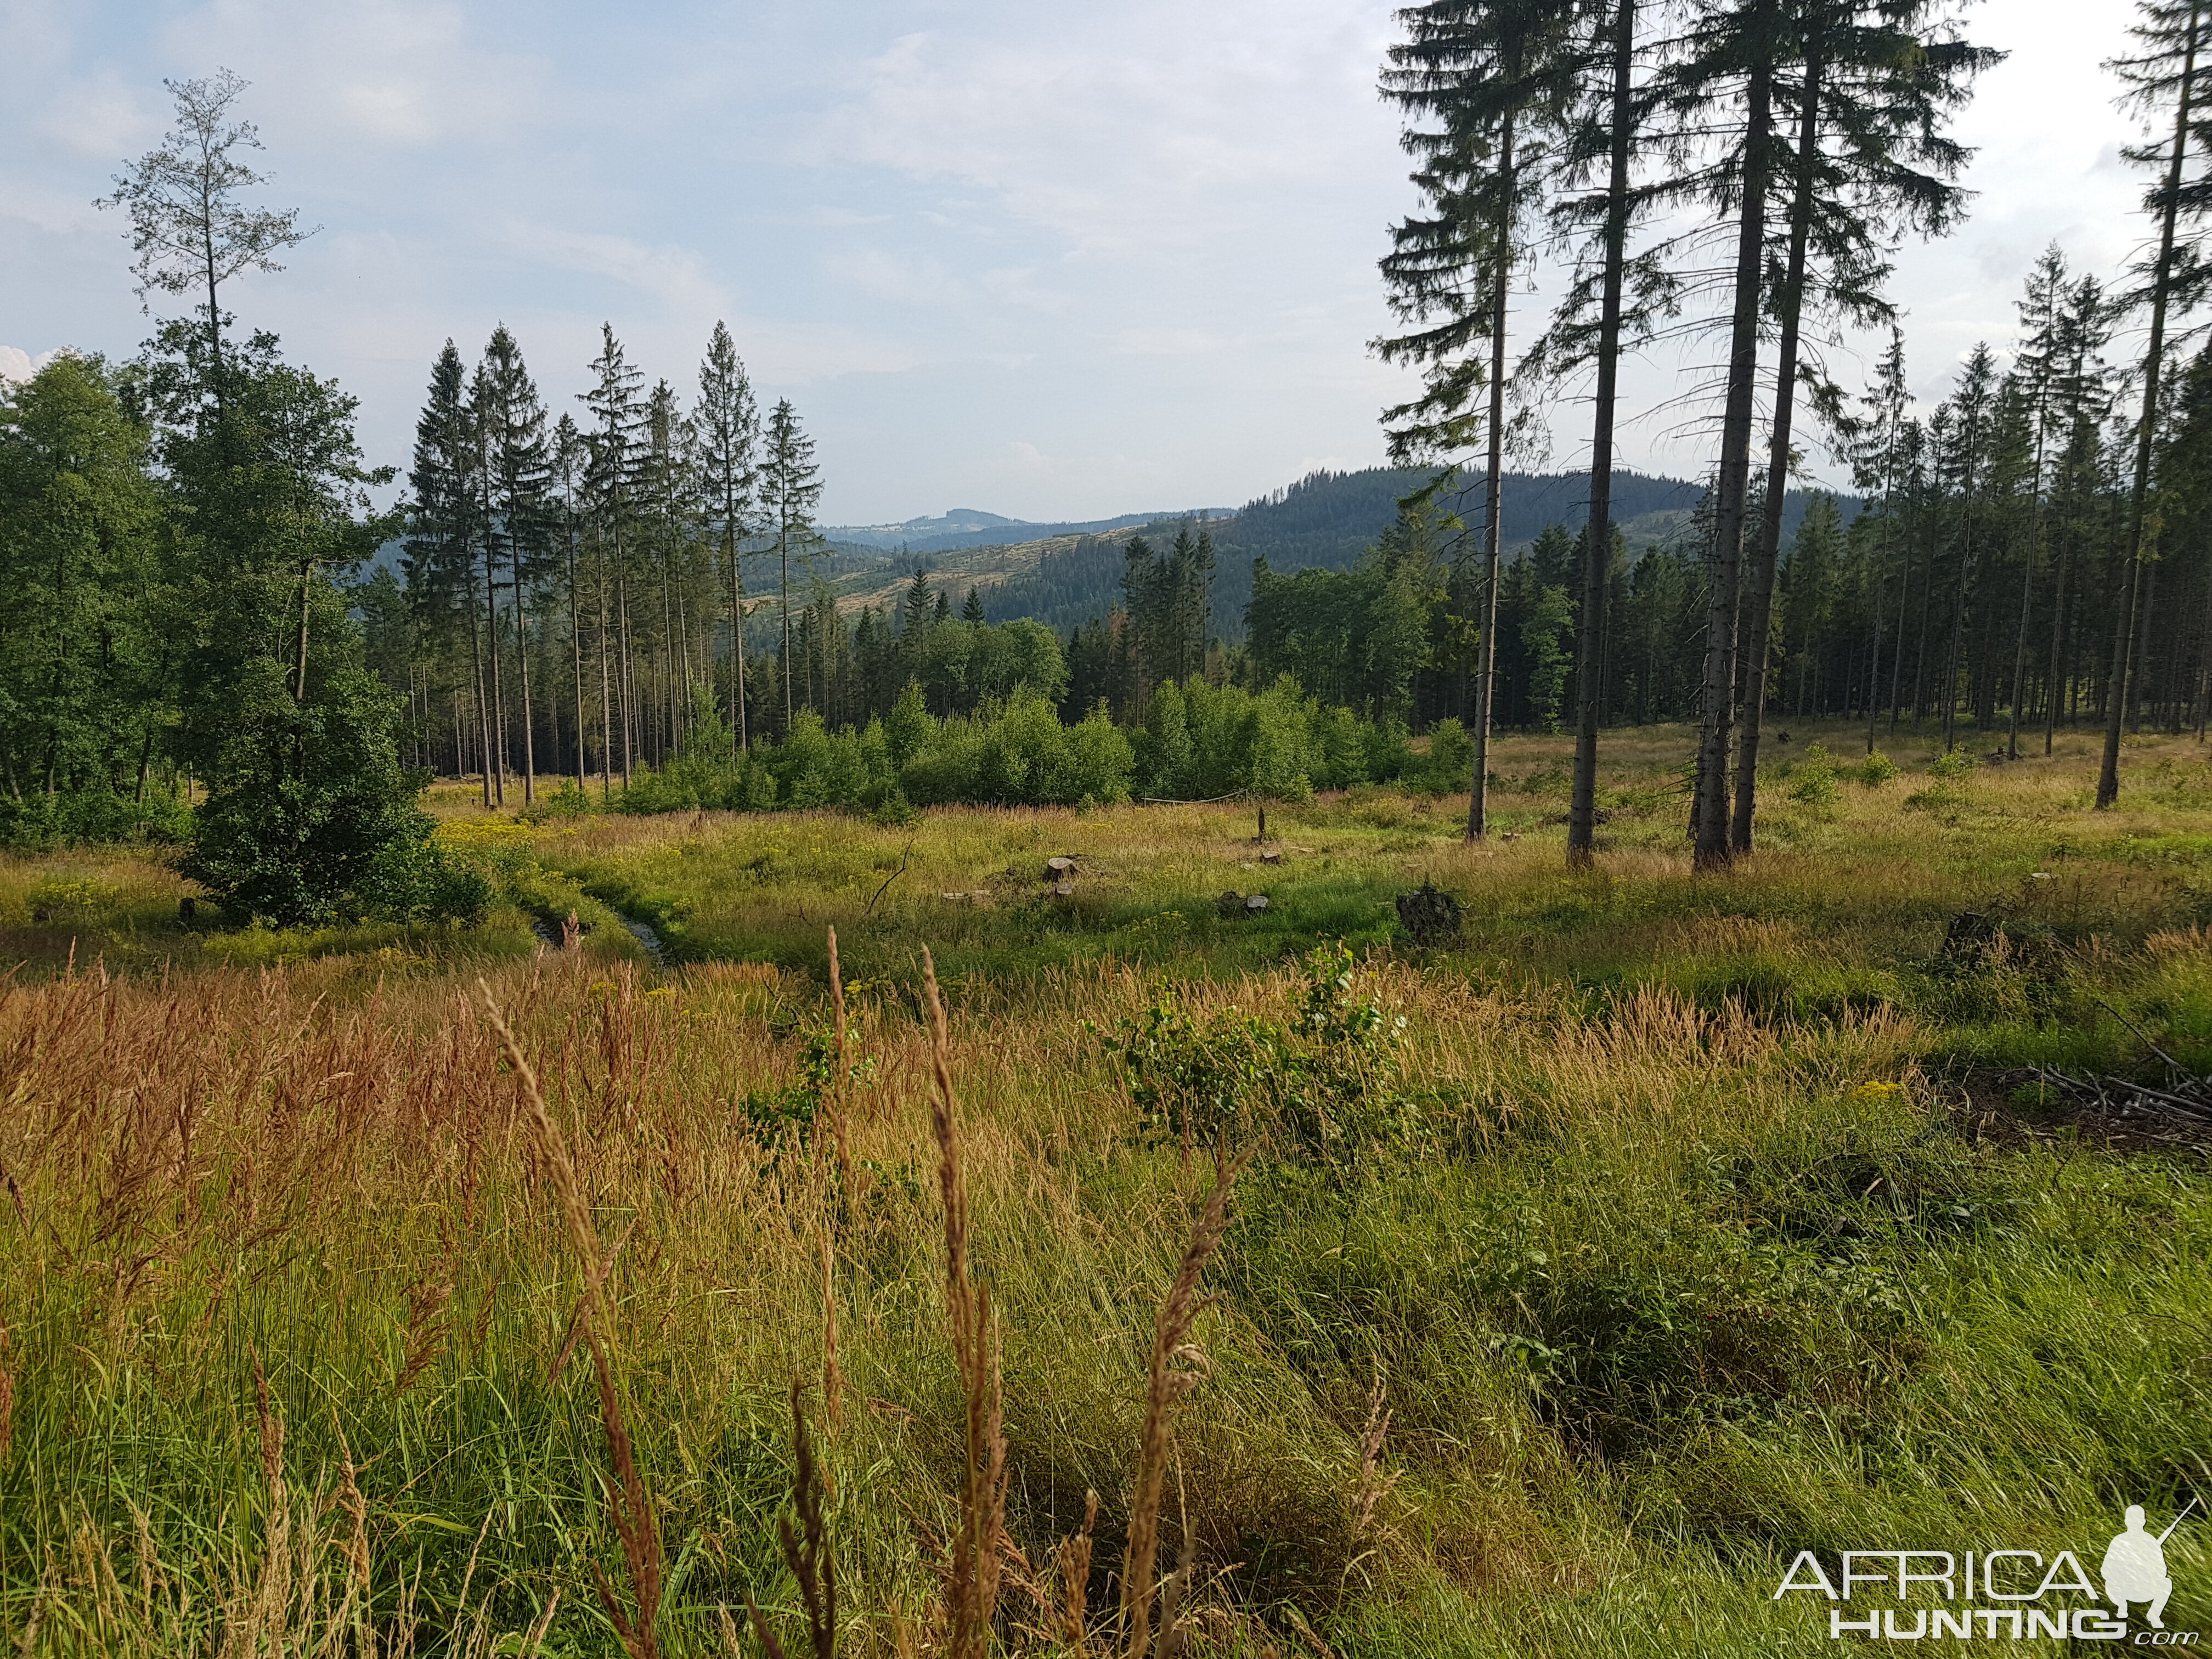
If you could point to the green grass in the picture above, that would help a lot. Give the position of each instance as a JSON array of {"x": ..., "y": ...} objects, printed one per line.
[{"x": 1677, "y": 1227}]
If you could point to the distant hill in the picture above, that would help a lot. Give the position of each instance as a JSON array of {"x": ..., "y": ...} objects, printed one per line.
[
  {"x": 968, "y": 526},
  {"x": 1073, "y": 573}
]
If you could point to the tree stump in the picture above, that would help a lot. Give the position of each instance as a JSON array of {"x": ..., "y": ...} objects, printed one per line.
[{"x": 1430, "y": 915}]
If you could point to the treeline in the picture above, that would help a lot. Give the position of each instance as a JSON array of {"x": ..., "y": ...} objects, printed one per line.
[
  {"x": 616, "y": 591},
  {"x": 571, "y": 590},
  {"x": 1741, "y": 171},
  {"x": 1197, "y": 741}
]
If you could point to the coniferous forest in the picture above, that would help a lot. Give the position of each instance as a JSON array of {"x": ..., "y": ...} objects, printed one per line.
[
  {"x": 564, "y": 602},
  {"x": 1493, "y": 1055}
]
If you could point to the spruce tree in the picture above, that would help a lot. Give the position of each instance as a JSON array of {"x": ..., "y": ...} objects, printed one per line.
[
  {"x": 1611, "y": 301},
  {"x": 1861, "y": 155},
  {"x": 2084, "y": 400},
  {"x": 1963, "y": 432},
  {"x": 518, "y": 473},
  {"x": 666, "y": 492},
  {"x": 571, "y": 455},
  {"x": 611, "y": 488},
  {"x": 1875, "y": 443},
  {"x": 482, "y": 422},
  {"x": 1495, "y": 76},
  {"x": 442, "y": 511},
  {"x": 2037, "y": 364},
  {"x": 791, "y": 489},
  {"x": 1720, "y": 88},
  {"x": 2166, "y": 71},
  {"x": 728, "y": 428}
]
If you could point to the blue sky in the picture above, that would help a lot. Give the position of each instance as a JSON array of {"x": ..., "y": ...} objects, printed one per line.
[{"x": 1050, "y": 260}]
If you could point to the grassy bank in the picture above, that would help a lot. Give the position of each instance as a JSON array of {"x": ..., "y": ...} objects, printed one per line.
[{"x": 1581, "y": 1272}]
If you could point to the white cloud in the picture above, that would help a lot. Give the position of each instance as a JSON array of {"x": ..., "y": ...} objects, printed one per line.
[
  {"x": 676, "y": 276},
  {"x": 902, "y": 279},
  {"x": 1145, "y": 123},
  {"x": 100, "y": 114},
  {"x": 402, "y": 72},
  {"x": 18, "y": 365},
  {"x": 1062, "y": 261},
  {"x": 47, "y": 209},
  {"x": 1176, "y": 342}
]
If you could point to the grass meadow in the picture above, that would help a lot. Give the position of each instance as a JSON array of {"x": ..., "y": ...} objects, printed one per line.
[{"x": 1175, "y": 1277}]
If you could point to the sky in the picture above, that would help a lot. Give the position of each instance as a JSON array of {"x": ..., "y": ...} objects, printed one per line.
[{"x": 1051, "y": 261}]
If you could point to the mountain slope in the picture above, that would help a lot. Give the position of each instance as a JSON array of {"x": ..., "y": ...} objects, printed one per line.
[
  {"x": 1071, "y": 573},
  {"x": 968, "y": 526}
]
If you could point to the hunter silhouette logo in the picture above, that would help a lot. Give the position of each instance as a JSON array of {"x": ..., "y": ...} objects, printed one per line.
[
  {"x": 2134, "y": 1567},
  {"x": 2000, "y": 1594}
]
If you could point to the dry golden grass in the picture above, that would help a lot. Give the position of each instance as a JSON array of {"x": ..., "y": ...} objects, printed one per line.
[
  {"x": 173, "y": 1149},
  {"x": 1491, "y": 1394}
]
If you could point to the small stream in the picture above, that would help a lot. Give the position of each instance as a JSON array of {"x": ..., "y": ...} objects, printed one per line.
[
  {"x": 549, "y": 933},
  {"x": 643, "y": 933}
]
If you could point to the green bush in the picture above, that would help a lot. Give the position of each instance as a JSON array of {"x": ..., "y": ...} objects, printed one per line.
[
  {"x": 1812, "y": 782},
  {"x": 1324, "y": 1088},
  {"x": 310, "y": 818},
  {"x": 566, "y": 801},
  {"x": 1450, "y": 763},
  {"x": 81, "y": 817},
  {"x": 1198, "y": 741},
  {"x": 1876, "y": 769},
  {"x": 1018, "y": 753}
]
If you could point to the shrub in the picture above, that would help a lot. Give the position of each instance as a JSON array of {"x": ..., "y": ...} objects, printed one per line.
[
  {"x": 1814, "y": 781},
  {"x": 1324, "y": 1088},
  {"x": 310, "y": 818},
  {"x": 1876, "y": 769},
  {"x": 566, "y": 801},
  {"x": 78, "y": 817},
  {"x": 1451, "y": 758}
]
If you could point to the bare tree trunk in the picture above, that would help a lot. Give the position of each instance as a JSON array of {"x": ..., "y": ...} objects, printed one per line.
[
  {"x": 1711, "y": 814},
  {"x": 495, "y": 758},
  {"x": 738, "y": 644},
  {"x": 2108, "y": 777},
  {"x": 606, "y": 696},
  {"x": 1873, "y": 670},
  {"x": 522, "y": 654},
  {"x": 1493, "y": 486},
  {"x": 1897, "y": 650},
  {"x": 626, "y": 681},
  {"x": 483, "y": 704},
  {"x": 1761, "y": 597},
  {"x": 576, "y": 650},
  {"x": 1582, "y": 815},
  {"x": 300, "y": 682},
  {"x": 2027, "y": 601}
]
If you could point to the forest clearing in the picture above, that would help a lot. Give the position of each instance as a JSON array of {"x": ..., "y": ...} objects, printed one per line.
[
  {"x": 1583, "y": 1030},
  {"x": 1540, "y": 1289}
]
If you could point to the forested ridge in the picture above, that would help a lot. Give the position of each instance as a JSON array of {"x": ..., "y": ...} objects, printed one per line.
[
  {"x": 193, "y": 630},
  {"x": 1464, "y": 1062}
]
